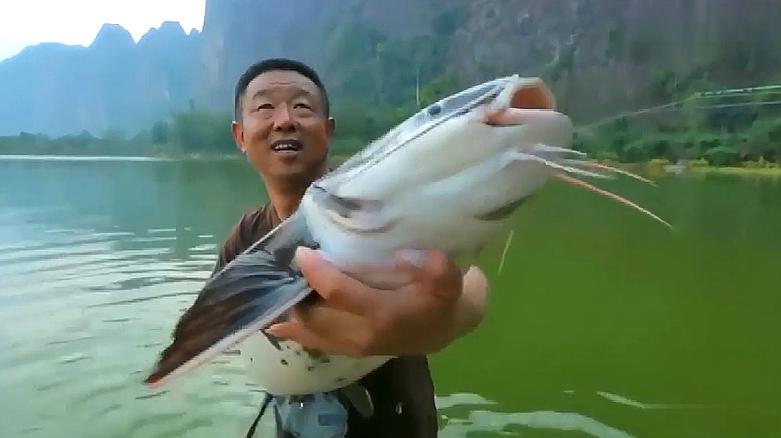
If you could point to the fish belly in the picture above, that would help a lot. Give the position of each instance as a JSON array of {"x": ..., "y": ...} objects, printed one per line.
[{"x": 287, "y": 368}]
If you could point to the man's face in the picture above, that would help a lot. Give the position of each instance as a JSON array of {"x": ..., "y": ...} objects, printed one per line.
[{"x": 283, "y": 127}]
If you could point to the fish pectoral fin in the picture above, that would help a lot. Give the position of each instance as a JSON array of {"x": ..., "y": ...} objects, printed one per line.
[
  {"x": 502, "y": 212},
  {"x": 247, "y": 295},
  {"x": 245, "y": 298}
]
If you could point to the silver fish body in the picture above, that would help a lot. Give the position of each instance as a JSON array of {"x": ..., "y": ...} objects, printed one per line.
[
  {"x": 441, "y": 188},
  {"x": 447, "y": 178}
]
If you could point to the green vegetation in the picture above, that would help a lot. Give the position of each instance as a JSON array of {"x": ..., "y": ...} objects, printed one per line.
[
  {"x": 729, "y": 129},
  {"x": 377, "y": 80},
  {"x": 196, "y": 132},
  {"x": 745, "y": 136}
]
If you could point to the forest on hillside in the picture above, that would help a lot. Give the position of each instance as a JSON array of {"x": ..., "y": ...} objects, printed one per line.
[{"x": 607, "y": 66}]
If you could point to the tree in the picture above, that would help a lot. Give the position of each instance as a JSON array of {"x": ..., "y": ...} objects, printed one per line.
[{"x": 160, "y": 133}]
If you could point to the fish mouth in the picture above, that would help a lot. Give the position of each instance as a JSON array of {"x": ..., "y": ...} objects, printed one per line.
[
  {"x": 519, "y": 103},
  {"x": 287, "y": 146},
  {"x": 534, "y": 96}
]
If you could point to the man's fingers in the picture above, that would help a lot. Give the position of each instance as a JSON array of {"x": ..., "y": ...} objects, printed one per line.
[
  {"x": 476, "y": 288},
  {"x": 285, "y": 330},
  {"x": 412, "y": 258},
  {"x": 340, "y": 290},
  {"x": 384, "y": 278},
  {"x": 328, "y": 330},
  {"x": 433, "y": 268},
  {"x": 296, "y": 332},
  {"x": 423, "y": 265}
]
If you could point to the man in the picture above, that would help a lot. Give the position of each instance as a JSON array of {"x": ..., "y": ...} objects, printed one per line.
[{"x": 283, "y": 125}]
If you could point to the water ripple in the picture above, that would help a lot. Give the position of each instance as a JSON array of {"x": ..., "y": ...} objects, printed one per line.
[
  {"x": 487, "y": 421},
  {"x": 144, "y": 299},
  {"x": 82, "y": 335}
]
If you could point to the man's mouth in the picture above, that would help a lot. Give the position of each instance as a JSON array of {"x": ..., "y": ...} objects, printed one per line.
[{"x": 287, "y": 146}]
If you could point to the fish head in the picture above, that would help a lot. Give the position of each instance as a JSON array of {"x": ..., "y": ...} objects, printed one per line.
[
  {"x": 455, "y": 133},
  {"x": 510, "y": 112},
  {"x": 452, "y": 163}
]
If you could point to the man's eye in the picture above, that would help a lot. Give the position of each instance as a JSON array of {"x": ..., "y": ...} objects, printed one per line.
[
  {"x": 265, "y": 106},
  {"x": 303, "y": 105}
]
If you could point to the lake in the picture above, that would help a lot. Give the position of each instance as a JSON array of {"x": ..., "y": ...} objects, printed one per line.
[{"x": 602, "y": 323}]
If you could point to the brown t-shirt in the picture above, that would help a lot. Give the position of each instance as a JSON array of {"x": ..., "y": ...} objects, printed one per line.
[{"x": 401, "y": 390}]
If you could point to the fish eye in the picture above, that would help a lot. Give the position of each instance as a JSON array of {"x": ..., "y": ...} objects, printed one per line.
[{"x": 435, "y": 109}]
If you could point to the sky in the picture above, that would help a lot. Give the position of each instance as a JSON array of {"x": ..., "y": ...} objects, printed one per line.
[{"x": 29, "y": 22}]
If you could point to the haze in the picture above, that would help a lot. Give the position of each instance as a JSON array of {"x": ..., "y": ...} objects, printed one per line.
[{"x": 78, "y": 21}]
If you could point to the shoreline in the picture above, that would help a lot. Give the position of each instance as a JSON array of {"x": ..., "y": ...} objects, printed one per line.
[
  {"x": 138, "y": 158},
  {"x": 702, "y": 168},
  {"x": 739, "y": 171},
  {"x": 655, "y": 166}
]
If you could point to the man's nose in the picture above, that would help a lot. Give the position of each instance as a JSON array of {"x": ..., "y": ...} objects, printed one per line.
[{"x": 283, "y": 120}]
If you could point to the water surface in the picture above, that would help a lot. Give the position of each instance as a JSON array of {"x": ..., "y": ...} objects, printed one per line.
[{"x": 601, "y": 324}]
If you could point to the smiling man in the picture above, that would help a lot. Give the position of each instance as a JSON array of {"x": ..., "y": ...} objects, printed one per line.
[{"x": 283, "y": 125}]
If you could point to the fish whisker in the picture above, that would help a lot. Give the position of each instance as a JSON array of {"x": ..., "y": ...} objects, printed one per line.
[
  {"x": 539, "y": 147},
  {"x": 504, "y": 252},
  {"x": 522, "y": 156},
  {"x": 596, "y": 165},
  {"x": 576, "y": 182}
]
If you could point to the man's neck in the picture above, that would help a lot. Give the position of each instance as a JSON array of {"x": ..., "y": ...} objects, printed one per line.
[
  {"x": 285, "y": 197},
  {"x": 285, "y": 200}
]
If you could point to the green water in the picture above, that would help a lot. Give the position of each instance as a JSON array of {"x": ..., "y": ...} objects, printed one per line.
[{"x": 602, "y": 323}]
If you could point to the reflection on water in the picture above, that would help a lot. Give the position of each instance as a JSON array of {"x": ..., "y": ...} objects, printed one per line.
[
  {"x": 97, "y": 260},
  {"x": 464, "y": 414},
  {"x": 595, "y": 330},
  {"x": 83, "y": 321},
  {"x": 487, "y": 421}
]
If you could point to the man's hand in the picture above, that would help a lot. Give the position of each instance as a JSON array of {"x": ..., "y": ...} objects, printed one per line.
[{"x": 418, "y": 309}]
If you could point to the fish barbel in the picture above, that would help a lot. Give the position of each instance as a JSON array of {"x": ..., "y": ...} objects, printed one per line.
[{"x": 448, "y": 178}]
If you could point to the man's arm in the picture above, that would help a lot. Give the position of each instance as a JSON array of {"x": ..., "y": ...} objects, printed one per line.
[
  {"x": 434, "y": 306},
  {"x": 471, "y": 306}
]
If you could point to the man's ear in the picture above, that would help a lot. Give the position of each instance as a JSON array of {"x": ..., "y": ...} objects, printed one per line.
[
  {"x": 330, "y": 126},
  {"x": 238, "y": 135}
]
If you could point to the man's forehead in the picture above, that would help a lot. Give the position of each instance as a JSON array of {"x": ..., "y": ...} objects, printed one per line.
[{"x": 279, "y": 80}]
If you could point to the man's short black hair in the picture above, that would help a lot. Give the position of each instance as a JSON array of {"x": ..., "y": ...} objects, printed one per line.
[{"x": 273, "y": 64}]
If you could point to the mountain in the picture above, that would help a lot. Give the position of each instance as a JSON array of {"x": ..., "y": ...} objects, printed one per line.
[
  {"x": 600, "y": 56},
  {"x": 113, "y": 84}
]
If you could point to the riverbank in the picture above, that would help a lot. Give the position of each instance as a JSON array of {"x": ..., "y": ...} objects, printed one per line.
[
  {"x": 190, "y": 157},
  {"x": 749, "y": 168},
  {"x": 653, "y": 167},
  {"x": 740, "y": 171}
]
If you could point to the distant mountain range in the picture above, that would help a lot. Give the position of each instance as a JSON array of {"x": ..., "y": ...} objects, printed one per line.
[{"x": 601, "y": 56}]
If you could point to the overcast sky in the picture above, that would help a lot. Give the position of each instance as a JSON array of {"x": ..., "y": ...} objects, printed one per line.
[{"x": 28, "y": 22}]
